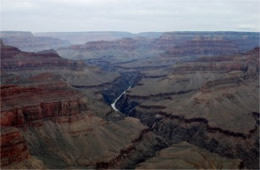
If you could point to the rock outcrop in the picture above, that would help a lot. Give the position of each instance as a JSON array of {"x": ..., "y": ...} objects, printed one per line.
[
  {"x": 24, "y": 104},
  {"x": 13, "y": 146}
]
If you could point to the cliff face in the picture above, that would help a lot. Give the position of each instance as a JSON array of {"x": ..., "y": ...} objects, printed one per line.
[
  {"x": 14, "y": 59},
  {"x": 14, "y": 151},
  {"x": 29, "y": 105},
  {"x": 172, "y": 44},
  {"x": 13, "y": 147},
  {"x": 26, "y": 41},
  {"x": 126, "y": 48},
  {"x": 83, "y": 37},
  {"x": 204, "y": 47},
  {"x": 207, "y": 44},
  {"x": 49, "y": 100}
]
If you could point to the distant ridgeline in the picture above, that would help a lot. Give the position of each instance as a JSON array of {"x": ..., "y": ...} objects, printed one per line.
[{"x": 28, "y": 41}]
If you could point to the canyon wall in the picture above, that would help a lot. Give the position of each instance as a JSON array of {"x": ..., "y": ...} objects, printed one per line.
[{"x": 26, "y": 41}]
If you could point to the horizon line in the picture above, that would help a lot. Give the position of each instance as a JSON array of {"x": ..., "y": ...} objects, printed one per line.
[{"x": 92, "y": 31}]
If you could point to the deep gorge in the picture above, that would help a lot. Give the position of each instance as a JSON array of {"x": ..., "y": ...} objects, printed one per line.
[{"x": 177, "y": 100}]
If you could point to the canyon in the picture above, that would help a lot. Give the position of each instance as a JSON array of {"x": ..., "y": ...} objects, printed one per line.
[{"x": 102, "y": 100}]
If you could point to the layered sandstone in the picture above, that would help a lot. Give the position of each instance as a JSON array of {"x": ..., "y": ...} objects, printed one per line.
[
  {"x": 122, "y": 49},
  {"x": 172, "y": 44},
  {"x": 13, "y": 146},
  {"x": 21, "y": 104},
  {"x": 203, "y": 47},
  {"x": 14, "y": 59},
  {"x": 83, "y": 37},
  {"x": 242, "y": 40}
]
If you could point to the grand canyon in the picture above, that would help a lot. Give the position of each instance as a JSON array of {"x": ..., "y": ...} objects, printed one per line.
[{"x": 118, "y": 100}]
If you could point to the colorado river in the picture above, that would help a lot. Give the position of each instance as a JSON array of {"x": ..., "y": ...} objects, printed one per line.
[{"x": 113, "y": 105}]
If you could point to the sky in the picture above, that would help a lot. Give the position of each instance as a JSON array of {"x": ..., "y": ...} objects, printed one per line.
[{"x": 129, "y": 15}]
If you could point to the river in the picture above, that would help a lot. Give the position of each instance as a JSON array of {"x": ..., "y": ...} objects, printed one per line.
[{"x": 113, "y": 105}]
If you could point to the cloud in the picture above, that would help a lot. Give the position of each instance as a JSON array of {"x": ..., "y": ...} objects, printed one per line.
[{"x": 130, "y": 15}]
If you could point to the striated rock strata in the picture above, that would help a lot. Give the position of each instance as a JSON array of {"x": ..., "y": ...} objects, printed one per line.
[{"x": 186, "y": 156}]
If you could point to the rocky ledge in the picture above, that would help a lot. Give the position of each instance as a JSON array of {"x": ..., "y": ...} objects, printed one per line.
[
  {"x": 22, "y": 104},
  {"x": 13, "y": 59},
  {"x": 13, "y": 146}
]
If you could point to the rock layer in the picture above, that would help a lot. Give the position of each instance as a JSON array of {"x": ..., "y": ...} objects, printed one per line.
[
  {"x": 13, "y": 146},
  {"x": 184, "y": 155},
  {"x": 14, "y": 59}
]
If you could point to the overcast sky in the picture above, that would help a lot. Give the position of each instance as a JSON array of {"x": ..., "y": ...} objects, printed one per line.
[{"x": 130, "y": 15}]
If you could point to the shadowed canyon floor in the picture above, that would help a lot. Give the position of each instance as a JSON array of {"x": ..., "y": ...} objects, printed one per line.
[{"x": 169, "y": 100}]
